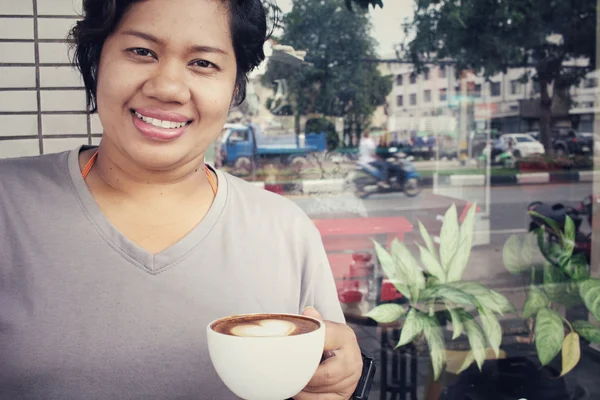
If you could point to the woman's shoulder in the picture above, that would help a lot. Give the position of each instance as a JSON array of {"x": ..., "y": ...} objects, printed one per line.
[
  {"x": 253, "y": 199},
  {"x": 32, "y": 170}
]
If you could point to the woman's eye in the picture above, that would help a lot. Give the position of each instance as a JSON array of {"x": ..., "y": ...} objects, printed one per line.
[
  {"x": 203, "y": 64},
  {"x": 138, "y": 51}
]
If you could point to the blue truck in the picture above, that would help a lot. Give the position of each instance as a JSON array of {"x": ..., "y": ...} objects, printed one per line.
[{"x": 244, "y": 147}]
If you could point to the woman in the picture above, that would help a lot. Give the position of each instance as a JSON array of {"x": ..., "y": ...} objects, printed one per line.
[{"x": 114, "y": 259}]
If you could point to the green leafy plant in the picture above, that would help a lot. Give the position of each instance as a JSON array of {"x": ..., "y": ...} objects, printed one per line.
[
  {"x": 566, "y": 283},
  {"x": 438, "y": 292}
]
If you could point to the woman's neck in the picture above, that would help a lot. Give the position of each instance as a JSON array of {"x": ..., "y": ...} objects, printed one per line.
[{"x": 117, "y": 173}]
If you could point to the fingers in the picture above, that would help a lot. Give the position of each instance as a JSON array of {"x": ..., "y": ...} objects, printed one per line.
[
  {"x": 336, "y": 375},
  {"x": 312, "y": 312}
]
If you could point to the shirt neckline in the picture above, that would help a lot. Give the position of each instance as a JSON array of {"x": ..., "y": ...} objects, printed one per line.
[{"x": 151, "y": 263}]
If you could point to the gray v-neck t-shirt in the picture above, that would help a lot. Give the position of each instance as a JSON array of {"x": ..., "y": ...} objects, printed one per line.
[{"x": 87, "y": 314}]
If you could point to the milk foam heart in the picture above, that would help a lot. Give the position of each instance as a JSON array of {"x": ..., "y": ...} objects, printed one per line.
[{"x": 265, "y": 328}]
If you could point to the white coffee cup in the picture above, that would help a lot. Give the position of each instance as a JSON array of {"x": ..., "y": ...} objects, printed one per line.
[{"x": 266, "y": 367}]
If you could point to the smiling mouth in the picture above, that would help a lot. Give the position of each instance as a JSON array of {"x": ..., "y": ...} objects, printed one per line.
[{"x": 165, "y": 124}]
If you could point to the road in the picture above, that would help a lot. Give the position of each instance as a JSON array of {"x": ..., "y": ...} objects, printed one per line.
[
  {"x": 508, "y": 204},
  {"x": 507, "y": 216}
]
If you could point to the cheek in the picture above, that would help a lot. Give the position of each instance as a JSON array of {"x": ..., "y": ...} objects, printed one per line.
[{"x": 116, "y": 84}]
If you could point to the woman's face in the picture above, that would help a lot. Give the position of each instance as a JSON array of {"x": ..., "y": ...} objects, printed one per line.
[{"x": 166, "y": 80}]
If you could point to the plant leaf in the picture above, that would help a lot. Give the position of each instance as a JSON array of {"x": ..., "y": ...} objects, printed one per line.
[
  {"x": 449, "y": 237},
  {"x": 435, "y": 341},
  {"x": 457, "y": 325},
  {"x": 551, "y": 223},
  {"x": 588, "y": 331},
  {"x": 590, "y": 293},
  {"x": 386, "y": 261},
  {"x": 466, "y": 363},
  {"x": 559, "y": 288},
  {"x": 432, "y": 264},
  {"x": 459, "y": 261},
  {"x": 487, "y": 298},
  {"x": 447, "y": 293},
  {"x": 413, "y": 326},
  {"x": 407, "y": 267},
  {"x": 476, "y": 338},
  {"x": 554, "y": 282},
  {"x": 530, "y": 247},
  {"x": 427, "y": 239},
  {"x": 569, "y": 237},
  {"x": 511, "y": 255},
  {"x": 578, "y": 267},
  {"x": 389, "y": 269},
  {"x": 504, "y": 305},
  {"x": 536, "y": 300},
  {"x": 386, "y": 313},
  {"x": 463, "y": 251},
  {"x": 571, "y": 352},
  {"x": 492, "y": 329},
  {"x": 549, "y": 334}
]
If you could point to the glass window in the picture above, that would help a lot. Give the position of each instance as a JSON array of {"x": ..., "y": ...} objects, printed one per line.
[
  {"x": 591, "y": 83},
  {"x": 515, "y": 86},
  {"x": 459, "y": 227},
  {"x": 427, "y": 96},
  {"x": 495, "y": 89},
  {"x": 399, "y": 79},
  {"x": 413, "y": 99},
  {"x": 443, "y": 94},
  {"x": 399, "y": 101}
]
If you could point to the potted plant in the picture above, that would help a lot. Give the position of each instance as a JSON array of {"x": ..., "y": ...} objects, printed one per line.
[
  {"x": 437, "y": 290},
  {"x": 566, "y": 284}
]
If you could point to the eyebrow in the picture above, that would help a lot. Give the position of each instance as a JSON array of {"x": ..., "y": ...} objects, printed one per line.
[{"x": 154, "y": 39}]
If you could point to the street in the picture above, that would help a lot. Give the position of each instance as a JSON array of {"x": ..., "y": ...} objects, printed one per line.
[
  {"x": 508, "y": 204},
  {"x": 508, "y": 216}
]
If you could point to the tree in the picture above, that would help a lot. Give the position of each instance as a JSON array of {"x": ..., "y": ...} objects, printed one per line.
[
  {"x": 335, "y": 82},
  {"x": 557, "y": 38},
  {"x": 364, "y": 4}
]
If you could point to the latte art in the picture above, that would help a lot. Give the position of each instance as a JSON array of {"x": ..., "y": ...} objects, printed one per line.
[{"x": 265, "y": 325}]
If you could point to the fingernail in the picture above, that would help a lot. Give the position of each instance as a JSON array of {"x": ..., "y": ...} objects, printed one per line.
[{"x": 308, "y": 308}]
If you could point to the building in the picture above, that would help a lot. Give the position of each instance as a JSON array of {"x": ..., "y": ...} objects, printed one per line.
[{"x": 431, "y": 102}]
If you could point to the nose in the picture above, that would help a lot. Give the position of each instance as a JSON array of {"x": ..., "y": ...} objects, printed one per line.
[{"x": 168, "y": 84}]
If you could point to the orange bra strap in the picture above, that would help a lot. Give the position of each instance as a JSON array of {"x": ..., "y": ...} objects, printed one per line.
[
  {"x": 211, "y": 180},
  {"x": 88, "y": 167}
]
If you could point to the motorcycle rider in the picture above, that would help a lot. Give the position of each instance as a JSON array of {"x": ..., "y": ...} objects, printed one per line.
[{"x": 368, "y": 155}]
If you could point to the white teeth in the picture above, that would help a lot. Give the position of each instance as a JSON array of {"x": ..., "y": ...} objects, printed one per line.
[{"x": 159, "y": 123}]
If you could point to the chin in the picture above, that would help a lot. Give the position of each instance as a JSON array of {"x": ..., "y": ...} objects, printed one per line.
[{"x": 162, "y": 157}]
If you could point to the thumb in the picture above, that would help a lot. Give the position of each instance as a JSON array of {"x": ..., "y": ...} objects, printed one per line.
[{"x": 312, "y": 312}]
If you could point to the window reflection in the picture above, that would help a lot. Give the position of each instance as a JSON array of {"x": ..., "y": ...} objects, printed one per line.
[{"x": 520, "y": 140}]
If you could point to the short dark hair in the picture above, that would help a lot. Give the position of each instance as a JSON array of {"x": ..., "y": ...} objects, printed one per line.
[{"x": 248, "y": 24}]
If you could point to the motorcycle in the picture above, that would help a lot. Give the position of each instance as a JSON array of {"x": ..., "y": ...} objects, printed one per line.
[
  {"x": 403, "y": 177},
  {"x": 558, "y": 213},
  {"x": 499, "y": 156}
]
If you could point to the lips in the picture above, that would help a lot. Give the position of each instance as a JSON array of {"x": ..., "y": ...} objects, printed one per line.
[{"x": 159, "y": 125}]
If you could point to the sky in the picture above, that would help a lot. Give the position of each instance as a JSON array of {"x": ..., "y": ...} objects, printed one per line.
[{"x": 387, "y": 22}]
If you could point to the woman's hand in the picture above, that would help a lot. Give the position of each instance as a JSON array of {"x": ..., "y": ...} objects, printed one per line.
[{"x": 337, "y": 376}]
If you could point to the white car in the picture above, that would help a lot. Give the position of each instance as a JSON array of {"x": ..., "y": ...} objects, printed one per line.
[{"x": 522, "y": 144}]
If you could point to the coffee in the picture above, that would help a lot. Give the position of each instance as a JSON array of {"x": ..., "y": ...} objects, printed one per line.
[{"x": 265, "y": 325}]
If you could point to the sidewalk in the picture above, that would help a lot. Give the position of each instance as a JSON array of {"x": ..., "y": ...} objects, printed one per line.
[{"x": 339, "y": 185}]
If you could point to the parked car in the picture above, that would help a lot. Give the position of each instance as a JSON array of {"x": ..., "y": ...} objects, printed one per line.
[
  {"x": 522, "y": 144},
  {"x": 569, "y": 142}
]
